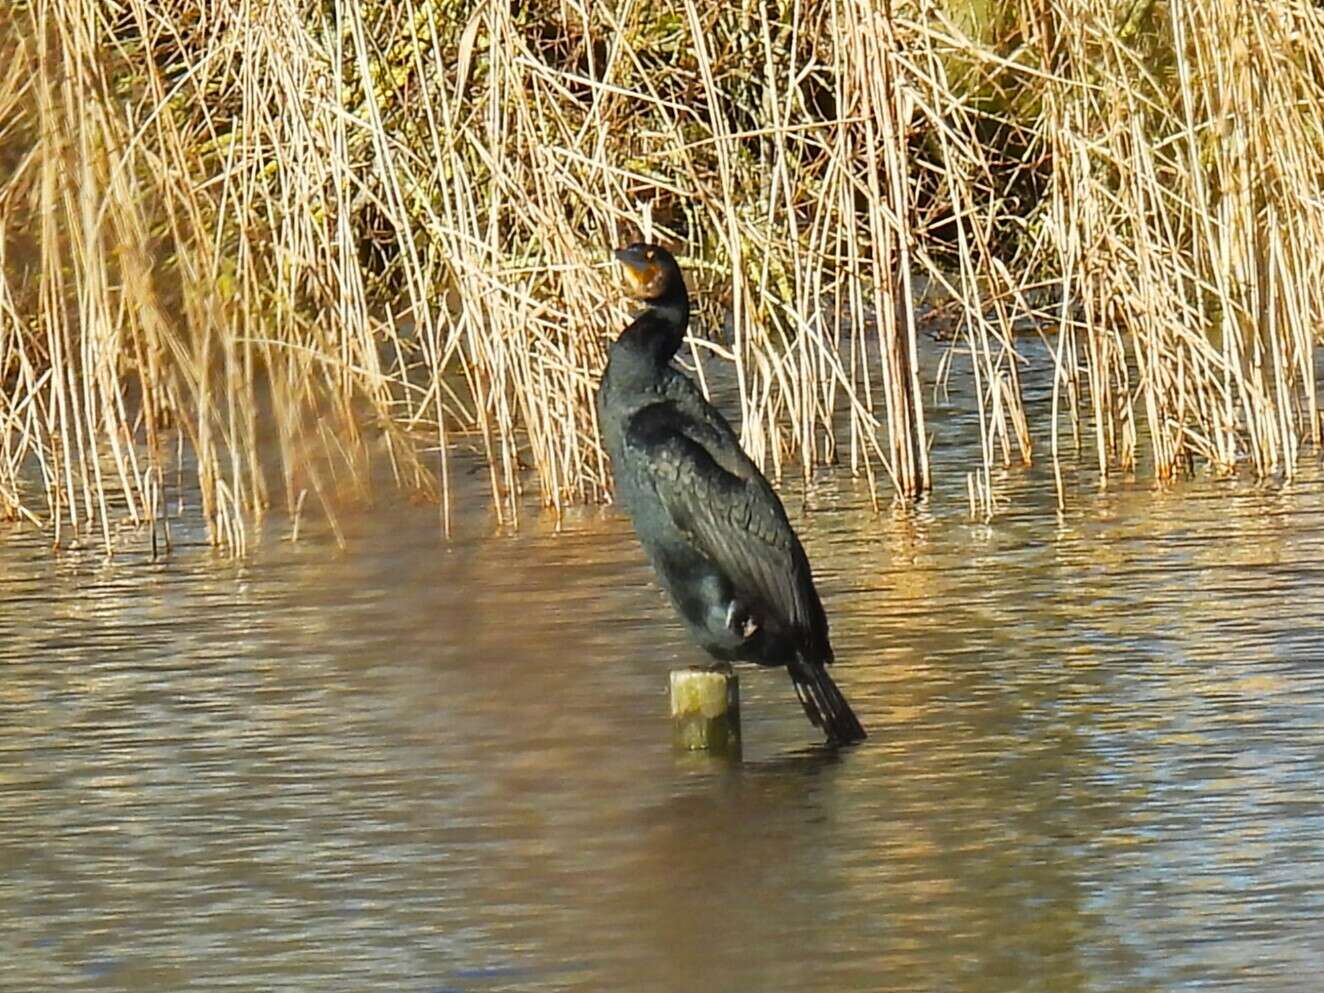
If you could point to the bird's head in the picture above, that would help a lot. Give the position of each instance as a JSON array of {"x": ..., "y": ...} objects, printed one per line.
[{"x": 651, "y": 274}]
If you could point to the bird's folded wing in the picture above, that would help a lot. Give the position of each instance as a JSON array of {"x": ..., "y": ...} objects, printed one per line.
[{"x": 717, "y": 498}]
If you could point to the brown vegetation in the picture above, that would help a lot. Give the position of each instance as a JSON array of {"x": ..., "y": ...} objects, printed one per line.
[{"x": 272, "y": 246}]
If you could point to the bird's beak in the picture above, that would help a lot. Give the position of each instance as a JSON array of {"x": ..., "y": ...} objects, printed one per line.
[{"x": 640, "y": 274}]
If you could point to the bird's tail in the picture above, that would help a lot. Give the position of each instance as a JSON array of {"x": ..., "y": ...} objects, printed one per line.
[{"x": 824, "y": 704}]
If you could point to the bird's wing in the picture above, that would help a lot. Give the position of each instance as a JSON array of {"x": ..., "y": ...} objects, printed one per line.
[{"x": 720, "y": 501}]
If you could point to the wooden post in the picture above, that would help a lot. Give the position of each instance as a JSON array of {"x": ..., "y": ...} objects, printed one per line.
[{"x": 705, "y": 709}]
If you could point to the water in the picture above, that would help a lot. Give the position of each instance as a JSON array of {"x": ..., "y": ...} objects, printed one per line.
[{"x": 1095, "y": 764}]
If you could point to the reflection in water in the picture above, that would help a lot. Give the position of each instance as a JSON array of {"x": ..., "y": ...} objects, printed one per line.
[{"x": 1095, "y": 760}]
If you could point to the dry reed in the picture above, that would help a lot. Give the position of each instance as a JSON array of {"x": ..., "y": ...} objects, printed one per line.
[{"x": 253, "y": 251}]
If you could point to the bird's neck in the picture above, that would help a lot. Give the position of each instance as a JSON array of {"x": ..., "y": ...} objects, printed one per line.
[{"x": 656, "y": 334}]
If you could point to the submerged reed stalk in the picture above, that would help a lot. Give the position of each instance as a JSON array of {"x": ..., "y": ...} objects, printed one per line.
[{"x": 253, "y": 254}]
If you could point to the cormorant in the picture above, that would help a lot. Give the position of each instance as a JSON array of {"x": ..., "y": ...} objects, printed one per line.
[{"x": 713, "y": 527}]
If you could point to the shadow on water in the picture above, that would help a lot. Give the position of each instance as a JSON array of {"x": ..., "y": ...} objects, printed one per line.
[{"x": 1094, "y": 760}]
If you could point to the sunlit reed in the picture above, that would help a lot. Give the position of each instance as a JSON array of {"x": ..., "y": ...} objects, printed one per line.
[{"x": 266, "y": 255}]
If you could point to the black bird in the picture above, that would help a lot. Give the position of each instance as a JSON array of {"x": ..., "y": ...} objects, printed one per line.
[{"x": 712, "y": 525}]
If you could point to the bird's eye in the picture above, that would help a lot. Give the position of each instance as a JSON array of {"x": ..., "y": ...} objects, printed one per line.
[{"x": 650, "y": 255}]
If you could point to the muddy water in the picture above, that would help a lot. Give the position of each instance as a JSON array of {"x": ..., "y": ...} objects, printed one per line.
[{"x": 1098, "y": 744}]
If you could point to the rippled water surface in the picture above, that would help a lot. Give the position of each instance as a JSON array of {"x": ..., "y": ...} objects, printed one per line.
[{"x": 1096, "y": 761}]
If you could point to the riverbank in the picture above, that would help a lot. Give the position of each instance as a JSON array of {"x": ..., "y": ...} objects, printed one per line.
[{"x": 285, "y": 251}]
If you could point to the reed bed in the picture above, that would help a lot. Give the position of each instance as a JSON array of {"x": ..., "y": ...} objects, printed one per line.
[{"x": 256, "y": 254}]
